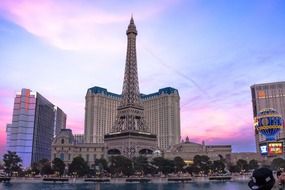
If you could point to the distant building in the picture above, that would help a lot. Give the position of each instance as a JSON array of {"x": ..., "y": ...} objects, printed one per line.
[
  {"x": 160, "y": 110},
  {"x": 100, "y": 113},
  {"x": 65, "y": 147},
  {"x": 248, "y": 156},
  {"x": 162, "y": 114},
  {"x": 31, "y": 132},
  {"x": 264, "y": 96},
  {"x": 60, "y": 120},
  {"x": 187, "y": 150},
  {"x": 78, "y": 138}
]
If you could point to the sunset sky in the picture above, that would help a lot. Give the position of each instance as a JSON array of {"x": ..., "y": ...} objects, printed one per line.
[{"x": 211, "y": 51}]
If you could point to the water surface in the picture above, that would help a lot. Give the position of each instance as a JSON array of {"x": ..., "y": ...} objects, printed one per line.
[{"x": 106, "y": 186}]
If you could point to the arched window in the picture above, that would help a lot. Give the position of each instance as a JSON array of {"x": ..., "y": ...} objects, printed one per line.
[
  {"x": 62, "y": 156},
  {"x": 62, "y": 141}
]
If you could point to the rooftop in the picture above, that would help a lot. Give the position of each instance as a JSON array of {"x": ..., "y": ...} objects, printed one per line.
[{"x": 100, "y": 90}]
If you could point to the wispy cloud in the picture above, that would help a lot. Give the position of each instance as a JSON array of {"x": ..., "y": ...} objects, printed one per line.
[
  {"x": 210, "y": 51},
  {"x": 80, "y": 25},
  {"x": 218, "y": 124}
]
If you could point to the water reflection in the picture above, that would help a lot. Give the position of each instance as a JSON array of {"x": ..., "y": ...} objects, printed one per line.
[
  {"x": 133, "y": 186},
  {"x": 97, "y": 186}
]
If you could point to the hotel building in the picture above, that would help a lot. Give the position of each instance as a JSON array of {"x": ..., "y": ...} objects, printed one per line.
[
  {"x": 161, "y": 112},
  {"x": 268, "y": 95},
  {"x": 33, "y": 126}
]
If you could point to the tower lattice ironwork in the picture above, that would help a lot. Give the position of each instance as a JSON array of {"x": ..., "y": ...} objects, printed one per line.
[
  {"x": 130, "y": 115},
  {"x": 130, "y": 136}
]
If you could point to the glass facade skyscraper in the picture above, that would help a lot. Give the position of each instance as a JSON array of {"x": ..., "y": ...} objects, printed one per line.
[
  {"x": 31, "y": 133},
  {"x": 43, "y": 129},
  {"x": 60, "y": 121}
]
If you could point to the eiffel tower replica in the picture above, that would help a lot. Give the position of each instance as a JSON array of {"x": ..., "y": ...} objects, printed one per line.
[{"x": 130, "y": 135}]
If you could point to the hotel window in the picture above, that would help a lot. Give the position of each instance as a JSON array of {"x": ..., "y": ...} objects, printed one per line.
[{"x": 62, "y": 156}]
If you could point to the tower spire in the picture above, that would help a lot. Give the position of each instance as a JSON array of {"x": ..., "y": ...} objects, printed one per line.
[
  {"x": 130, "y": 115},
  {"x": 131, "y": 93},
  {"x": 130, "y": 134},
  {"x": 132, "y": 27}
]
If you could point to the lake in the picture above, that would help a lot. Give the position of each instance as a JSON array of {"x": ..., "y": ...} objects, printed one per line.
[{"x": 232, "y": 185}]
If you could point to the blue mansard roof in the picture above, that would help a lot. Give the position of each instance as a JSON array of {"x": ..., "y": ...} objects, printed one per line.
[
  {"x": 167, "y": 90},
  {"x": 99, "y": 90}
]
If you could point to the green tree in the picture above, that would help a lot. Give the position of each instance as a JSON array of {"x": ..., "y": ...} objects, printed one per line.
[
  {"x": 178, "y": 164},
  {"x": 121, "y": 164},
  {"x": 141, "y": 164},
  {"x": 41, "y": 167},
  {"x": 45, "y": 167},
  {"x": 193, "y": 169},
  {"x": 203, "y": 163},
  {"x": 233, "y": 168},
  {"x": 164, "y": 165},
  {"x": 58, "y": 165},
  {"x": 253, "y": 164},
  {"x": 277, "y": 163},
  {"x": 102, "y": 164},
  {"x": 78, "y": 166},
  {"x": 35, "y": 168},
  {"x": 12, "y": 163},
  {"x": 242, "y": 165},
  {"x": 218, "y": 166}
]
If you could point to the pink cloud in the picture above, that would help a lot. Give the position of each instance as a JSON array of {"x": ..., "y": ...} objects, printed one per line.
[
  {"x": 215, "y": 124},
  {"x": 6, "y": 111},
  {"x": 76, "y": 25},
  {"x": 77, "y": 125}
]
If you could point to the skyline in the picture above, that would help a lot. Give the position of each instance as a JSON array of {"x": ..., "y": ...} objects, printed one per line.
[{"x": 60, "y": 49}]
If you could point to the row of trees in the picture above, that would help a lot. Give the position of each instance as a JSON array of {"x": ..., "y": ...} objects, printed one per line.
[
  {"x": 120, "y": 165},
  {"x": 203, "y": 164},
  {"x": 13, "y": 165}
]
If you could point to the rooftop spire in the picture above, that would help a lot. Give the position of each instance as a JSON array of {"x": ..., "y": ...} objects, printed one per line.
[{"x": 132, "y": 27}]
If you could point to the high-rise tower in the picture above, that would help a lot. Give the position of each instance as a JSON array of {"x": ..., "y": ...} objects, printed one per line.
[
  {"x": 268, "y": 95},
  {"x": 33, "y": 126},
  {"x": 130, "y": 135}
]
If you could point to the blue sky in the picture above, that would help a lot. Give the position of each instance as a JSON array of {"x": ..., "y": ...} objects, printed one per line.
[{"x": 211, "y": 51}]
